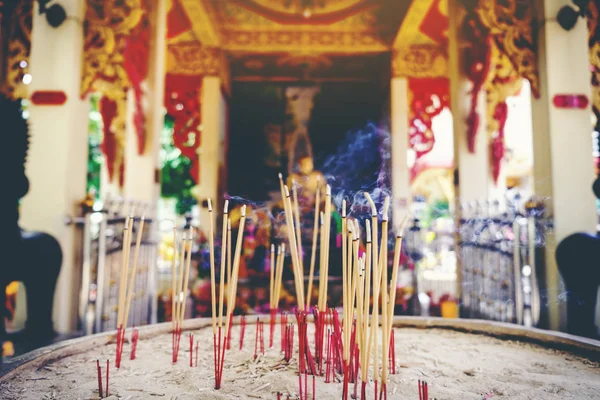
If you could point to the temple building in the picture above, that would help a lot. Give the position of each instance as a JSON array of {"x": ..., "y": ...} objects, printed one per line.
[{"x": 477, "y": 117}]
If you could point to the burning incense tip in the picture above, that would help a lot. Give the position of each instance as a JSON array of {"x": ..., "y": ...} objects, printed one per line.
[
  {"x": 278, "y": 249},
  {"x": 226, "y": 207},
  {"x": 280, "y": 176},
  {"x": 322, "y": 218},
  {"x": 244, "y": 210},
  {"x": 286, "y": 190},
  {"x": 328, "y": 191},
  {"x": 272, "y": 248},
  {"x": 368, "y": 227},
  {"x": 343, "y": 208},
  {"x": 372, "y": 204},
  {"x": 209, "y": 205},
  {"x": 386, "y": 208}
]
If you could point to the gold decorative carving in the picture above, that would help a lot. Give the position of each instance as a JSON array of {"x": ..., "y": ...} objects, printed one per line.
[
  {"x": 593, "y": 16},
  {"x": 423, "y": 61},
  {"x": 16, "y": 62},
  {"x": 502, "y": 82},
  {"x": 107, "y": 25},
  {"x": 315, "y": 41},
  {"x": 511, "y": 25},
  {"x": 193, "y": 59}
]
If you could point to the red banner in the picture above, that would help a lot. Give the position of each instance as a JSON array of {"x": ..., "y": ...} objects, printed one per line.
[{"x": 182, "y": 101}]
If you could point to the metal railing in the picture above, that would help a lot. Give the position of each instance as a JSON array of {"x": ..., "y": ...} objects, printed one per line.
[
  {"x": 498, "y": 261},
  {"x": 101, "y": 251}
]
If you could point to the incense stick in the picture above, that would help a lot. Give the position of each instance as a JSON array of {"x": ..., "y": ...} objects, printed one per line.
[
  {"x": 131, "y": 279},
  {"x": 236, "y": 270},
  {"x": 279, "y": 275},
  {"x": 314, "y": 248},
  {"x": 383, "y": 265},
  {"x": 186, "y": 275},
  {"x": 224, "y": 239},
  {"x": 124, "y": 269},
  {"x": 272, "y": 278},
  {"x": 173, "y": 278},
  {"x": 298, "y": 279},
  {"x": 298, "y": 230},
  {"x": 213, "y": 289},
  {"x": 376, "y": 279}
]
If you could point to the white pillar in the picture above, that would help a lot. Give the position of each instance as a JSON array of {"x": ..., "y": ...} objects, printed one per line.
[
  {"x": 142, "y": 171},
  {"x": 562, "y": 143},
  {"x": 213, "y": 128},
  {"x": 399, "y": 137},
  {"x": 57, "y": 160}
]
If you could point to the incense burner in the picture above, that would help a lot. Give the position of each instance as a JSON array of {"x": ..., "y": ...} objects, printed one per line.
[{"x": 459, "y": 359}]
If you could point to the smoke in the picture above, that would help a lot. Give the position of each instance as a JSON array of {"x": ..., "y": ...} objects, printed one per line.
[{"x": 360, "y": 164}]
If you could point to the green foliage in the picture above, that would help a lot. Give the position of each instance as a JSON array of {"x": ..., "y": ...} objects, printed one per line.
[
  {"x": 95, "y": 156},
  {"x": 176, "y": 181}
]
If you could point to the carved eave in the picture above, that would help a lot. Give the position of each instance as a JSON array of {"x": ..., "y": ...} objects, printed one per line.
[{"x": 203, "y": 26}]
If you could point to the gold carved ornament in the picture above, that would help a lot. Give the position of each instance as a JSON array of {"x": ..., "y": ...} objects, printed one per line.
[
  {"x": 16, "y": 61},
  {"x": 593, "y": 13},
  {"x": 511, "y": 46},
  {"x": 420, "y": 61},
  {"x": 511, "y": 25},
  {"x": 107, "y": 25}
]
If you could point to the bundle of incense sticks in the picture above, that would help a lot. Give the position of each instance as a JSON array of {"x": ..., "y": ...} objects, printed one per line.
[
  {"x": 323, "y": 277},
  {"x": 424, "y": 390},
  {"x": 275, "y": 286},
  {"x": 180, "y": 274},
  {"x": 313, "y": 254},
  {"x": 351, "y": 267},
  {"x": 293, "y": 243},
  {"x": 126, "y": 281},
  {"x": 102, "y": 393},
  {"x": 388, "y": 306},
  {"x": 222, "y": 339}
]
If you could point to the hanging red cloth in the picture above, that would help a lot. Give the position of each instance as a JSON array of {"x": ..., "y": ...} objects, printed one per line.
[
  {"x": 136, "y": 56},
  {"x": 497, "y": 148},
  {"x": 478, "y": 64},
  {"x": 429, "y": 96},
  {"x": 108, "y": 110},
  {"x": 182, "y": 101}
]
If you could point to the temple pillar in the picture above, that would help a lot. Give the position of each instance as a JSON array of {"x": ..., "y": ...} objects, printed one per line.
[
  {"x": 142, "y": 171},
  {"x": 399, "y": 146},
  {"x": 213, "y": 111},
  {"x": 57, "y": 160},
  {"x": 562, "y": 143}
]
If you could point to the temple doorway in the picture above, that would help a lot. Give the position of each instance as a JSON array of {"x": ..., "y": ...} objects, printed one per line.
[{"x": 271, "y": 133}]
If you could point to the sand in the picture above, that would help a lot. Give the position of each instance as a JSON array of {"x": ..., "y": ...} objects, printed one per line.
[{"x": 457, "y": 366}]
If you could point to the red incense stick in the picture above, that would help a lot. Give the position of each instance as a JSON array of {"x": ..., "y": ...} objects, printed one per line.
[
  {"x": 196, "y": 353},
  {"x": 256, "y": 338},
  {"x": 272, "y": 321},
  {"x": 107, "y": 374},
  {"x": 134, "y": 341},
  {"x": 393, "y": 352},
  {"x": 99, "y": 378},
  {"x": 191, "y": 350},
  {"x": 262, "y": 338}
]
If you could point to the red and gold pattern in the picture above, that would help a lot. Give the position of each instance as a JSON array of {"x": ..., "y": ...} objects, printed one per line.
[
  {"x": 109, "y": 25},
  {"x": 500, "y": 54},
  {"x": 182, "y": 101},
  {"x": 16, "y": 61},
  {"x": 427, "y": 98},
  {"x": 420, "y": 61},
  {"x": 593, "y": 16}
]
